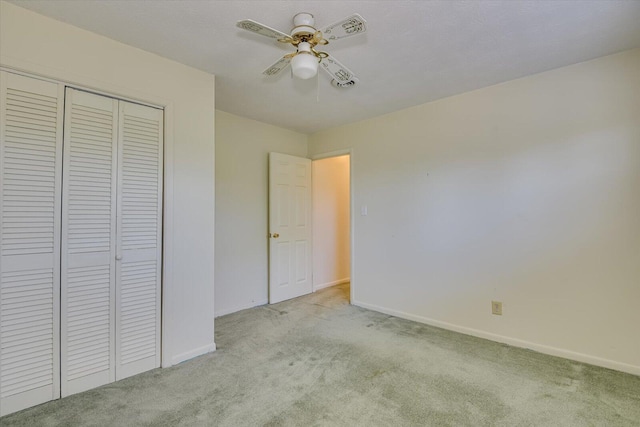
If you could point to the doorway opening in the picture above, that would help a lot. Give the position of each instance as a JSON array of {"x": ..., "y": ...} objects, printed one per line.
[{"x": 331, "y": 207}]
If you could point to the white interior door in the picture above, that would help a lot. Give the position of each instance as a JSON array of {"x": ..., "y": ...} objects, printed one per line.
[
  {"x": 31, "y": 114},
  {"x": 88, "y": 241},
  {"x": 139, "y": 241},
  {"x": 290, "y": 257}
]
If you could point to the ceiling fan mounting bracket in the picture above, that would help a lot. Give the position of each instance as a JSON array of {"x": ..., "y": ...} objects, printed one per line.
[{"x": 304, "y": 18}]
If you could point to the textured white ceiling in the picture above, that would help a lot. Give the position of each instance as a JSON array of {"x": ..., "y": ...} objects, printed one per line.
[{"x": 412, "y": 53}]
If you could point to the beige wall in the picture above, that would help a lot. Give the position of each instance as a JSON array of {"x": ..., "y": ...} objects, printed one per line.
[
  {"x": 331, "y": 238},
  {"x": 241, "y": 264},
  {"x": 36, "y": 44},
  {"x": 527, "y": 192}
]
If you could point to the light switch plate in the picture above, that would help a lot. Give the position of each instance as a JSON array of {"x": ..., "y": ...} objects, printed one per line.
[{"x": 496, "y": 308}]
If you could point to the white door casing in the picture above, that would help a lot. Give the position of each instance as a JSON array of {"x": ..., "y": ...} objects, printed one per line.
[
  {"x": 31, "y": 122},
  {"x": 290, "y": 257}
]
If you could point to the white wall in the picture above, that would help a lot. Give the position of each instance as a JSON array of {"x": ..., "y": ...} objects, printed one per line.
[
  {"x": 241, "y": 264},
  {"x": 34, "y": 43},
  {"x": 527, "y": 192},
  {"x": 331, "y": 238}
]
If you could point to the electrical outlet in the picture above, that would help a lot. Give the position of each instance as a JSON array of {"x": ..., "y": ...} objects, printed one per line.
[{"x": 496, "y": 308}]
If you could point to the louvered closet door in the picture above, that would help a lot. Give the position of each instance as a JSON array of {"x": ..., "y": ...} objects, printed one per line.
[
  {"x": 88, "y": 241},
  {"x": 139, "y": 239},
  {"x": 30, "y": 159}
]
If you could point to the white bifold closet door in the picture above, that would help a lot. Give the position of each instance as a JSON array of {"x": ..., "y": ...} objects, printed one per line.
[
  {"x": 31, "y": 113},
  {"x": 139, "y": 239},
  {"x": 88, "y": 241},
  {"x": 111, "y": 240}
]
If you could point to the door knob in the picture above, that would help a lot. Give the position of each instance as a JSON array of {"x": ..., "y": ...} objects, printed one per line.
[
  {"x": 118, "y": 257},
  {"x": 276, "y": 235}
]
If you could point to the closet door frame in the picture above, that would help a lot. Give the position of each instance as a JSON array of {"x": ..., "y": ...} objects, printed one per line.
[
  {"x": 163, "y": 268},
  {"x": 40, "y": 72}
]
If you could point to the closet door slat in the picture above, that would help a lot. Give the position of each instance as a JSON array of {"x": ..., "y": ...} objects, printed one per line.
[{"x": 31, "y": 122}]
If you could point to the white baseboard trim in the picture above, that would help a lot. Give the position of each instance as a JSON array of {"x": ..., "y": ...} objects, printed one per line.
[
  {"x": 226, "y": 311},
  {"x": 541, "y": 348},
  {"x": 329, "y": 284},
  {"x": 182, "y": 357}
]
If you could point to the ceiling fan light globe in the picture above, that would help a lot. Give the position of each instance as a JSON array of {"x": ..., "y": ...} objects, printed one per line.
[{"x": 304, "y": 66}]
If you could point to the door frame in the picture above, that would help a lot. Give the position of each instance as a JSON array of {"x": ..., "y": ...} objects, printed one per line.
[{"x": 338, "y": 153}]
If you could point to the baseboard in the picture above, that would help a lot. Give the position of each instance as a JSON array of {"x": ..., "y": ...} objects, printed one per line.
[
  {"x": 226, "y": 311},
  {"x": 541, "y": 348},
  {"x": 329, "y": 284},
  {"x": 182, "y": 357}
]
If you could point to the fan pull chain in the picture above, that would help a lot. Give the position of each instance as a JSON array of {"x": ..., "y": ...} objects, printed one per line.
[{"x": 318, "y": 87}]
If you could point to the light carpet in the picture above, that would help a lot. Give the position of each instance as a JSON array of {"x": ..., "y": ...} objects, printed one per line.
[{"x": 318, "y": 361}]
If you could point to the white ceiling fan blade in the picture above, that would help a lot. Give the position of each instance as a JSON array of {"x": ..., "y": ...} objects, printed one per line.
[
  {"x": 350, "y": 26},
  {"x": 339, "y": 72},
  {"x": 277, "y": 67},
  {"x": 258, "y": 28}
]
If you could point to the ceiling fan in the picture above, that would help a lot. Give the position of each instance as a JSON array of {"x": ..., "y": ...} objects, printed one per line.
[{"x": 306, "y": 39}]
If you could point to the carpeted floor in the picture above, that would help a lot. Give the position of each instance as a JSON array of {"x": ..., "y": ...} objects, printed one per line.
[{"x": 317, "y": 361}]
